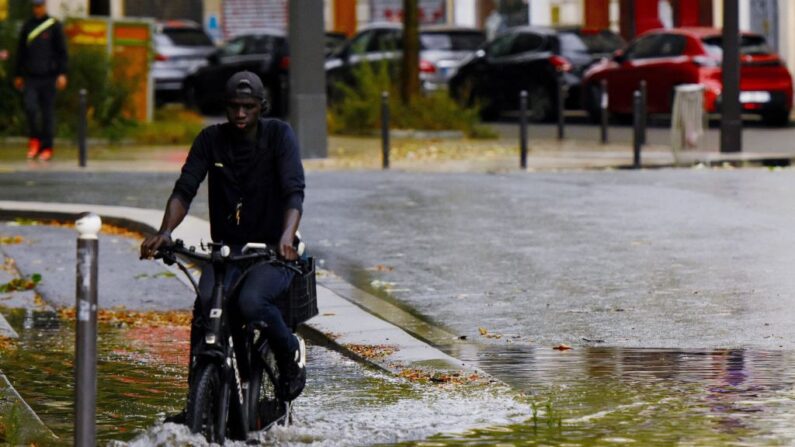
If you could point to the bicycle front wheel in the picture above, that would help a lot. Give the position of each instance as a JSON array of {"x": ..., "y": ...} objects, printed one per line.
[{"x": 204, "y": 404}]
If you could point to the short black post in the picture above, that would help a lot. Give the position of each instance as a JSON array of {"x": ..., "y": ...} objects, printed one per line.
[
  {"x": 385, "y": 130},
  {"x": 603, "y": 103},
  {"x": 637, "y": 110},
  {"x": 523, "y": 129},
  {"x": 562, "y": 90},
  {"x": 82, "y": 129},
  {"x": 88, "y": 226},
  {"x": 644, "y": 111}
]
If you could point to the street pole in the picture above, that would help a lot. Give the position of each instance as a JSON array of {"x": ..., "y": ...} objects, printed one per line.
[
  {"x": 82, "y": 130},
  {"x": 523, "y": 129},
  {"x": 561, "y": 107},
  {"x": 731, "y": 126},
  {"x": 384, "y": 130},
  {"x": 307, "y": 78},
  {"x": 603, "y": 104},
  {"x": 644, "y": 111},
  {"x": 88, "y": 226},
  {"x": 637, "y": 106}
]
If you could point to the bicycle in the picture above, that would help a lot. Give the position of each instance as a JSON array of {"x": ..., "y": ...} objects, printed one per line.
[{"x": 234, "y": 378}]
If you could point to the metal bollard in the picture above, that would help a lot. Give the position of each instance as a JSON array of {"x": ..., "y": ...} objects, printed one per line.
[
  {"x": 603, "y": 104},
  {"x": 385, "y": 130},
  {"x": 644, "y": 113},
  {"x": 562, "y": 91},
  {"x": 523, "y": 129},
  {"x": 88, "y": 226},
  {"x": 637, "y": 109},
  {"x": 82, "y": 129}
]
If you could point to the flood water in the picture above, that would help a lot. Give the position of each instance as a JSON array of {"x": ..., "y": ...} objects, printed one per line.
[
  {"x": 582, "y": 397},
  {"x": 141, "y": 377},
  {"x": 609, "y": 396}
]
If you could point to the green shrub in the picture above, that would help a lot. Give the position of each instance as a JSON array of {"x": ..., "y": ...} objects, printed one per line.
[
  {"x": 358, "y": 110},
  {"x": 173, "y": 124}
]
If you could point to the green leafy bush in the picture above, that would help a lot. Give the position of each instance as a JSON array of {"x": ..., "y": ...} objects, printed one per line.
[{"x": 358, "y": 109}]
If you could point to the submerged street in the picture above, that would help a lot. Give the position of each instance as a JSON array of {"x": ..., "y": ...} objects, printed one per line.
[{"x": 671, "y": 286}]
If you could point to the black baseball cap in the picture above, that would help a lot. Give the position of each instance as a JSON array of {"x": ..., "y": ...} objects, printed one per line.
[{"x": 245, "y": 84}]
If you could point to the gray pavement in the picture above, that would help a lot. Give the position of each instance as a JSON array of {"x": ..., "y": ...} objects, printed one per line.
[{"x": 667, "y": 258}]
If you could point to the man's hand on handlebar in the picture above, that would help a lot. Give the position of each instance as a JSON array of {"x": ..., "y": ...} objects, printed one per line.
[
  {"x": 286, "y": 249},
  {"x": 151, "y": 244}
]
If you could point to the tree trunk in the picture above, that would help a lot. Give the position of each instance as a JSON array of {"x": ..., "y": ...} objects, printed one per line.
[{"x": 409, "y": 73}]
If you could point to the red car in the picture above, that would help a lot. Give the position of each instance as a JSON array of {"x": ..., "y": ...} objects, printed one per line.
[{"x": 667, "y": 58}]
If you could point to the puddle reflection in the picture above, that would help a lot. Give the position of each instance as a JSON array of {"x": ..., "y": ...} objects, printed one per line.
[{"x": 600, "y": 396}]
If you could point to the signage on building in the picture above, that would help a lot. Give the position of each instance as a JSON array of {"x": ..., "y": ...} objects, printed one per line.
[
  {"x": 430, "y": 11},
  {"x": 131, "y": 43},
  {"x": 87, "y": 32},
  {"x": 247, "y": 16}
]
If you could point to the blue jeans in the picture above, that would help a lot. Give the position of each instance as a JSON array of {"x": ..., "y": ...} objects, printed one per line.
[{"x": 255, "y": 302}]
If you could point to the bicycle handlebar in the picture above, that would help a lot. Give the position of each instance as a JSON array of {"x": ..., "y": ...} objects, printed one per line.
[{"x": 221, "y": 253}]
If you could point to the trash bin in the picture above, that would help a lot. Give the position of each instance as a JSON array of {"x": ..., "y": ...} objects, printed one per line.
[{"x": 687, "y": 118}]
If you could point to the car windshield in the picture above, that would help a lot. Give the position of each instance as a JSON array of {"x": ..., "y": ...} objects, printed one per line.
[
  {"x": 601, "y": 42},
  {"x": 188, "y": 37},
  {"x": 749, "y": 45},
  {"x": 571, "y": 43},
  {"x": 451, "y": 41}
]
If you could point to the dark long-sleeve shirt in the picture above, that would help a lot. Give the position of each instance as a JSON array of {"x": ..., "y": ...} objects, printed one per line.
[
  {"x": 251, "y": 185},
  {"x": 44, "y": 55}
]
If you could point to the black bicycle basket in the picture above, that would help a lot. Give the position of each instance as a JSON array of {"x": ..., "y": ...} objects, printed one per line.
[{"x": 299, "y": 303}]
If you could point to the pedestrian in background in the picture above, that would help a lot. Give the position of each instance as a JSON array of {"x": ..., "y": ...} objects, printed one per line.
[{"x": 40, "y": 70}]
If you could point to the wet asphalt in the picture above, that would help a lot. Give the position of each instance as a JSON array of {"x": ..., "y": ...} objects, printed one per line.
[{"x": 688, "y": 259}]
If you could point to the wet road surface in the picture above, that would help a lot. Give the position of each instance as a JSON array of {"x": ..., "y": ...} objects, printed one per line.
[{"x": 670, "y": 258}]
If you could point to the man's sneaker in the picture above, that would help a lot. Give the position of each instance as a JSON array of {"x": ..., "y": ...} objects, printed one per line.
[
  {"x": 292, "y": 376},
  {"x": 45, "y": 154},
  {"x": 33, "y": 148},
  {"x": 179, "y": 418}
]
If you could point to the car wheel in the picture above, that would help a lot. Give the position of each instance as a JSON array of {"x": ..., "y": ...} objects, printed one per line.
[
  {"x": 540, "y": 103},
  {"x": 778, "y": 118}
]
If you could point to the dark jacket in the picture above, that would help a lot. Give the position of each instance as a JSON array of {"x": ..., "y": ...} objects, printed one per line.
[
  {"x": 272, "y": 182},
  {"x": 43, "y": 56}
]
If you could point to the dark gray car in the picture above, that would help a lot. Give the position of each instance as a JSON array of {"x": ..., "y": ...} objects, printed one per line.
[{"x": 181, "y": 47}]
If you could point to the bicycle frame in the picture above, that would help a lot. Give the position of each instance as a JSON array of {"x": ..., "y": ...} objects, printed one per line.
[{"x": 228, "y": 349}]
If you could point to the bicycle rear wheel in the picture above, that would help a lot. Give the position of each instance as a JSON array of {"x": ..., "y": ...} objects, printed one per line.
[
  {"x": 205, "y": 414},
  {"x": 265, "y": 409}
]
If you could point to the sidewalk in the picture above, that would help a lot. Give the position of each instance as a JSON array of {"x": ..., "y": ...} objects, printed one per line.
[{"x": 420, "y": 155}]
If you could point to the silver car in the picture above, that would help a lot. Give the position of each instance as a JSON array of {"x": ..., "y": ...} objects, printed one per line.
[
  {"x": 181, "y": 48},
  {"x": 442, "y": 48}
]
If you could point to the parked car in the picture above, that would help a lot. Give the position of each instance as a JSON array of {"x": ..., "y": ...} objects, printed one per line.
[
  {"x": 531, "y": 59},
  {"x": 264, "y": 53},
  {"x": 181, "y": 47},
  {"x": 667, "y": 58},
  {"x": 442, "y": 48},
  {"x": 334, "y": 40}
]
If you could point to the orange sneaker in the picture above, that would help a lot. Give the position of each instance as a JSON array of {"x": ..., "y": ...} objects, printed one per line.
[
  {"x": 45, "y": 154},
  {"x": 33, "y": 148}
]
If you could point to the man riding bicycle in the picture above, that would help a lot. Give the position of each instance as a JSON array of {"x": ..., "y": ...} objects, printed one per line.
[{"x": 256, "y": 193}]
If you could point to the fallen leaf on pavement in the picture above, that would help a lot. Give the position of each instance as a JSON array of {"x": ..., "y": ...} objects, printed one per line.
[
  {"x": 11, "y": 240},
  {"x": 562, "y": 347},
  {"x": 483, "y": 331}
]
